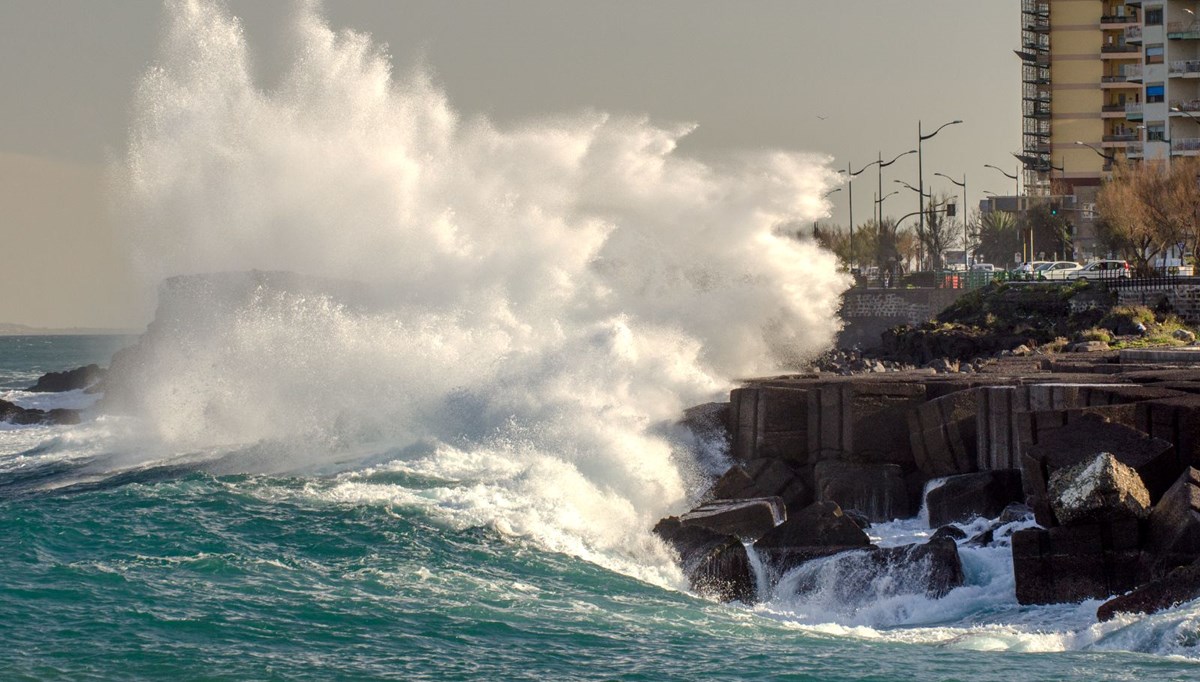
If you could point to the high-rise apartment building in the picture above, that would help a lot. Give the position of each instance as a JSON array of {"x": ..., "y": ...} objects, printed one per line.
[{"x": 1121, "y": 77}]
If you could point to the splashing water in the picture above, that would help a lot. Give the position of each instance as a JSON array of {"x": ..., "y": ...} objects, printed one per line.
[{"x": 546, "y": 298}]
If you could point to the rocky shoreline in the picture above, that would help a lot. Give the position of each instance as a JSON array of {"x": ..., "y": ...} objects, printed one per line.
[{"x": 1099, "y": 457}]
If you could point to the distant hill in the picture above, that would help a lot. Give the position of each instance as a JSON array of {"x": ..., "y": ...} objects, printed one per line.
[{"x": 10, "y": 329}]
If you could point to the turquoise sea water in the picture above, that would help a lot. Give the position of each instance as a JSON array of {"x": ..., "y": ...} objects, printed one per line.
[{"x": 187, "y": 572}]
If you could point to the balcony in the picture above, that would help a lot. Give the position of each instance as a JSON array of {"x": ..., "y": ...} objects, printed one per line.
[
  {"x": 1133, "y": 151},
  {"x": 1185, "y": 145},
  {"x": 1116, "y": 48},
  {"x": 1118, "y": 19},
  {"x": 1133, "y": 111},
  {"x": 1121, "y": 137},
  {"x": 1189, "y": 68},
  {"x": 1183, "y": 30},
  {"x": 1185, "y": 105},
  {"x": 1133, "y": 34}
]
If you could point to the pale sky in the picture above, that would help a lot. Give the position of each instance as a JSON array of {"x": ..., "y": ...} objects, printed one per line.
[{"x": 848, "y": 79}]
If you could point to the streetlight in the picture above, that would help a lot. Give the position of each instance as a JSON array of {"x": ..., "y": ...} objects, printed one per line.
[
  {"x": 966, "y": 239},
  {"x": 901, "y": 182},
  {"x": 850, "y": 175},
  {"x": 921, "y": 166},
  {"x": 1010, "y": 176},
  {"x": 1016, "y": 178},
  {"x": 1107, "y": 157},
  {"x": 883, "y": 165},
  {"x": 824, "y": 196}
]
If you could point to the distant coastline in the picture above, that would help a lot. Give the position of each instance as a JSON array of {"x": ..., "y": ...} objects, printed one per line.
[{"x": 10, "y": 329}]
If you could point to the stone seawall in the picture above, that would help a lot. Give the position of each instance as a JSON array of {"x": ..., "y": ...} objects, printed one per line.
[
  {"x": 867, "y": 313},
  {"x": 1183, "y": 298},
  {"x": 815, "y": 457}
]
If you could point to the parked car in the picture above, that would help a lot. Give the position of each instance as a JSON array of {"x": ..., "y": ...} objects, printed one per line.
[
  {"x": 983, "y": 267},
  {"x": 1025, "y": 270},
  {"x": 1103, "y": 269},
  {"x": 1058, "y": 269}
]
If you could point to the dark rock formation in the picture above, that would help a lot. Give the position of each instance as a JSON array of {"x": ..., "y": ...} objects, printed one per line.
[
  {"x": 749, "y": 518},
  {"x": 942, "y": 434},
  {"x": 933, "y": 569},
  {"x": 963, "y": 497},
  {"x": 1179, "y": 586},
  {"x": 1097, "y": 490},
  {"x": 716, "y": 565},
  {"x": 1070, "y": 564},
  {"x": 821, "y": 524},
  {"x": 70, "y": 380},
  {"x": 768, "y": 421},
  {"x": 1152, "y": 458},
  {"x": 14, "y": 414},
  {"x": 862, "y": 421},
  {"x": 949, "y": 533},
  {"x": 763, "y": 478},
  {"x": 1175, "y": 521},
  {"x": 875, "y": 490}
]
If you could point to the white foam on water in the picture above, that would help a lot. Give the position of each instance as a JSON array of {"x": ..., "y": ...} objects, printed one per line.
[
  {"x": 546, "y": 298},
  {"x": 982, "y": 615}
]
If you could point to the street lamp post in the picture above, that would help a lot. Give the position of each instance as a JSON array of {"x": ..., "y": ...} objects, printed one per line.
[
  {"x": 966, "y": 239},
  {"x": 824, "y": 196},
  {"x": 920, "y": 234},
  {"x": 921, "y": 169},
  {"x": 1016, "y": 177},
  {"x": 883, "y": 165},
  {"x": 850, "y": 175}
]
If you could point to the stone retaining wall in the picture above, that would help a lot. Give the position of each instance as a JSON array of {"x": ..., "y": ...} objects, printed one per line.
[
  {"x": 867, "y": 313},
  {"x": 1184, "y": 298}
]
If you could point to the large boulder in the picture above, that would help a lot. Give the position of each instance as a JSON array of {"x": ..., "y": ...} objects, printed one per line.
[
  {"x": 819, "y": 530},
  {"x": 715, "y": 565},
  {"x": 762, "y": 478},
  {"x": 942, "y": 434},
  {"x": 70, "y": 380},
  {"x": 1154, "y": 459},
  {"x": 749, "y": 518},
  {"x": 821, "y": 524},
  {"x": 1097, "y": 490},
  {"x": 769, "y": 421},
  {"x": 1175, "y": 521},
  {"x": 1180, "y": 585},
  {"x": 855, "y": 577},
  {"x": 863, "y": 422},
  {"x": 709, "y": 422},
  {"x": 966, "y": 496},
  {"x": 15, "y": 414},
  {"x": 1070, "y": 564},
  {"x": 878, "y": 491}
]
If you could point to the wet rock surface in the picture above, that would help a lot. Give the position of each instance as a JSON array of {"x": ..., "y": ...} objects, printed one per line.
[
  {"x": 14, "y": 414},
  {"x": 70, "y": 380},
  {"x": 1098, "y": 490}
]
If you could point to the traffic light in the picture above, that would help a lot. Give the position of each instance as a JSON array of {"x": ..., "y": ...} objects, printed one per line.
[{"x": 1053, "y": 209}]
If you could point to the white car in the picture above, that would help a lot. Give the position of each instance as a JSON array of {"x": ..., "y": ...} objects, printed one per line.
[
  {"x": 1025, "y": 270},
  {"x": 1103, "y": 270},
  {"x": 1058, "y": 269}
]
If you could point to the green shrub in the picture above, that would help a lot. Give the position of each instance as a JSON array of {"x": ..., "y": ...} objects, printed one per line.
[
  {"x": 1096, "y": 334},
  {"x": 1124, "y": 319}
]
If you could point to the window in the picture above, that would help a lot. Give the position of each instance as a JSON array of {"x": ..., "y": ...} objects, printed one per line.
[
  {"x": 1154, "y": 93},
  {"x": 1154, "y": 16},
  {"x": 1156, "y": 132},
  {"x": 1154, "y": 54}
]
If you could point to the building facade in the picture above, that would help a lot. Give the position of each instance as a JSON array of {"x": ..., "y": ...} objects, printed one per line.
[{"x": 1122, "y": 78}]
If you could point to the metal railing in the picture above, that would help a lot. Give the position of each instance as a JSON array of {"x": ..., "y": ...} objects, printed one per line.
[{"x": 1150, "y": 282}]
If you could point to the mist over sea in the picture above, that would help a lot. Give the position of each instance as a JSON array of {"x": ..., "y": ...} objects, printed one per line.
[{"x": 412, "y": 411}]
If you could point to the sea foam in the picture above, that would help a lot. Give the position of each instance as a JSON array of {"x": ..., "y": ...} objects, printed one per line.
[{"x": 546, "y": 297}]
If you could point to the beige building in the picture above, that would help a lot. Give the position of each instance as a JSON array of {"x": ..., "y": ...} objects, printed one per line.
[{"x": 1121, "y": 77}]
